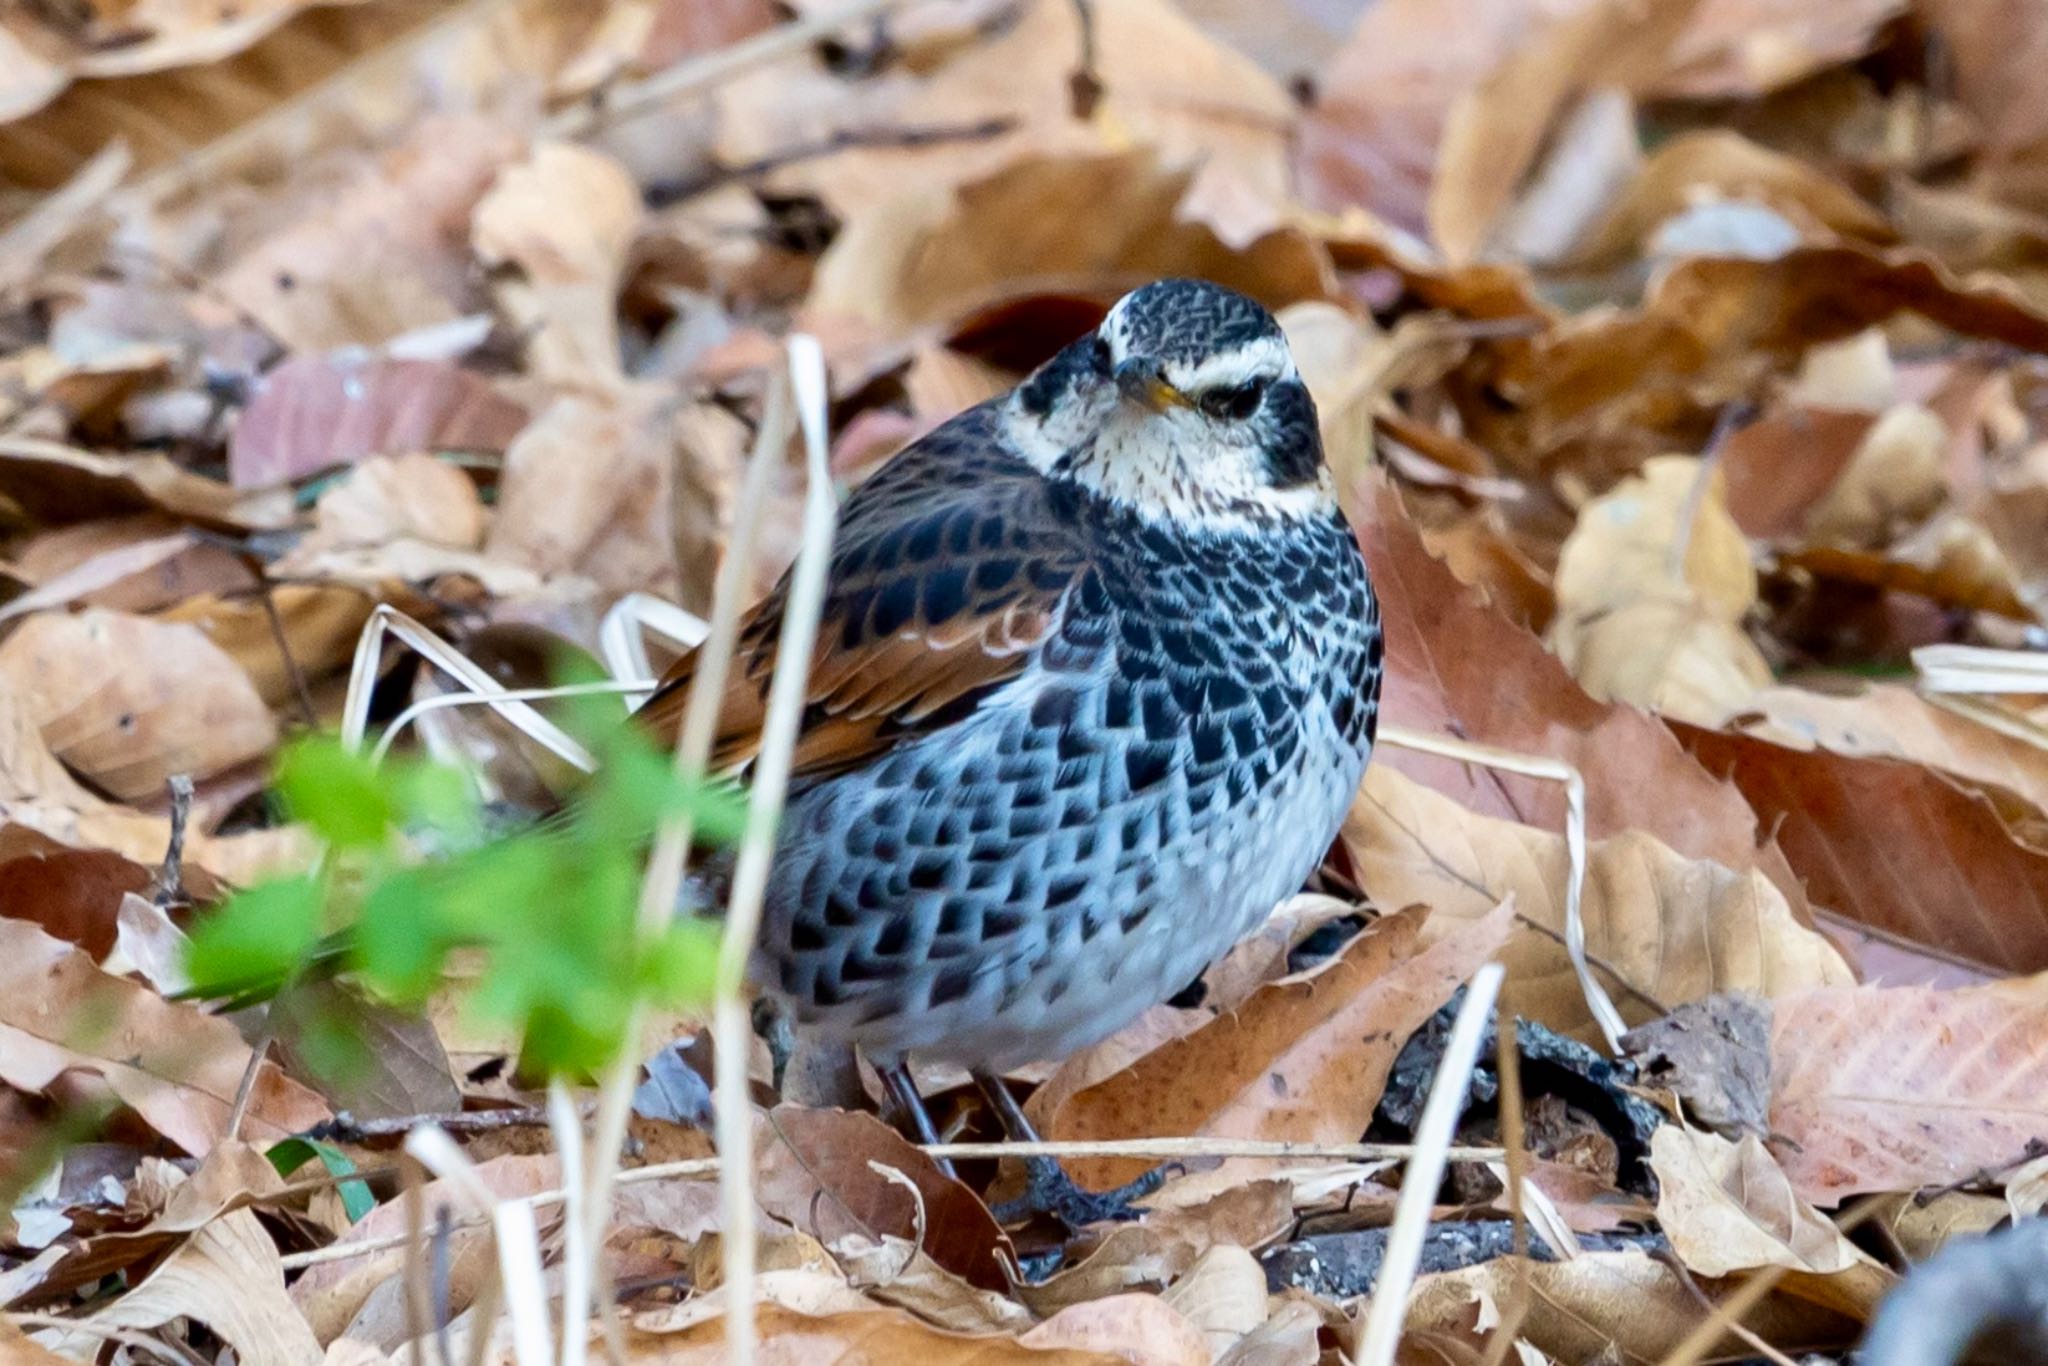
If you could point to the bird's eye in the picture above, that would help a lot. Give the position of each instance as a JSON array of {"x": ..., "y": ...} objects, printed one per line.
[
  {"x": 1099, "y": 357},
  {"x": 1236, "y": 402}
]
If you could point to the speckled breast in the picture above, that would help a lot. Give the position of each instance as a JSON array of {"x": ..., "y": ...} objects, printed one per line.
[{"x": 1173, "y": 763}]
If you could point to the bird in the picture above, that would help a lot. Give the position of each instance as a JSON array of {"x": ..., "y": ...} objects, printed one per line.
[{"x": 1097, "y": 678}]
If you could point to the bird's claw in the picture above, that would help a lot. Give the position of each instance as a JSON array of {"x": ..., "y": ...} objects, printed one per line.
[{"x": 1049, "y": 1190}]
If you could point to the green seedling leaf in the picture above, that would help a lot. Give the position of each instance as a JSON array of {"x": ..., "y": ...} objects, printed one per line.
[
  {"x": 258, "y": 936},
  {"x": 294, "y": 1153},
  {"x": 340, "y": 795}
]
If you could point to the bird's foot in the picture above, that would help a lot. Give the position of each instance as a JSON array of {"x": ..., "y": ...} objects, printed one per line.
[{"x": 1049, "y": 1190}]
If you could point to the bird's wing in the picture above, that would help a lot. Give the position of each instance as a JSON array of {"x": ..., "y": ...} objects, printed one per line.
[{"x": 951, "y": 568}]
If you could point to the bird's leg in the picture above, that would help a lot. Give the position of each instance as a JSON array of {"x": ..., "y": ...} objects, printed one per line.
[
  {"x": 913, "y": 1116},
  {"x": 1047, "y": 1188}
]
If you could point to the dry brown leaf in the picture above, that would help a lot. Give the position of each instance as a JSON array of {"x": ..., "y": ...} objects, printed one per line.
[
  {"x": 560, "y": 271},
  {"x": 1382, "y": 102},
  {"x": 1613, "y": 1306},
  {"x": 849, "y": 1334},
  {"x": 1674, "y": 928},
  {"x": 73, "y": 894},
  {"x": 1223, "y": 1295},
  {"x": 1304, "y": 1058},
  {"x": 1728, "y": 1207},
  {"x": 320, "y": 624},
  {"x": 315, "y": 412},
  {"x": 941, "y": 254},
  {"x": 1894, "y": 1088},
  {"x": 405, "y": 495},
  {"x": 1458, "y": 667},
  {"x": 187, "y": 709},
  {"x": 1635, "y": 622},
  {"x": 1893, "y": 480},
  {"x": 131, "y": 564},
  {"x": 54, "y": 482},
  {"x": 1897, "y": 846},
  {"x": 1889, "y": 721},
  {"x": 176, "y": 1066},
  {"x": 1166, "y": 86},
  {"x": 588, "y": 490},
  {"x": 228, "y": 1277},
  {"x": 1142, "y": 1329},
  {"x": 817, "y": 1172},
  {"x": 1494, "y": 131},
  {"x": 333, "y": 1296},
  {"x": 1722, "y": 164},
  {"x": 307, "y": 281},
  {"x": 1753, "y": 47}
]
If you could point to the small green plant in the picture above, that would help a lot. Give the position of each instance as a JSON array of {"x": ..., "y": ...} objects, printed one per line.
[{"x": 552, "y": 906}]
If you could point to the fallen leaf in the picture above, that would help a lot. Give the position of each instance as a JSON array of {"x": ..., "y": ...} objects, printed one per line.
[
  {"x": 1714, "y": 1055},
  {"x": 228, "y": 1277},
  {"x": 373, "y": 1060},
  {"x": 1898, "y": 847},
  {"x": 176, "y": 1066},
  {"x": 1673, "y": 928},
  {"x": 1652, "y": 587},
  {"x": 560, "y": 272},
  {"x": 939, "y": 257},
  {"x": 58, "y": 483},
  {"x": 1625, "y": 1304},
  {"x": 1223, "y": 1296},
  {"x": 319, "y": 625},
  {"x": 1304, "y": 1058},
  {"x": 335, "y": 1295},
  {"x": 1142, "y": 1329},
  {"x": 1723, "y": 164},
  {"x": 306, "y": 281},
  {"x": 1450, "y": 656},
  {"x": 316, "y": 412},
  {"x": 190, "y": 711},
  {"x": 853, "y": 1335},
  {"x": 588, "y": 489},
  {"x": 1728, "y": 1207},
  {"x": 1895, "y": 1088},
  {"x": 72, "y": 894},
  {"x": 817, "y": 1172}
]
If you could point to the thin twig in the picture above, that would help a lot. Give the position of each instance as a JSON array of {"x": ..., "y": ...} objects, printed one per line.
[
  {"x": 732, "y": 1031},
  {"x": 665, "y": 865},
  {"x": 170, "y": 880},
  {"x": 663, "y": 193},
  {"x": 300, "y": 691},
  {"x": 694, "y": 75},
  {"x": 246, "y": 1089},
  {"x": 1381, "y": 1337},
  {"x": 1122, "y": 1147},
  {"x": 1677, "y": 1267},
  {"x": 346, "y": 1128},
  {"x": 1508, "y": 1067}
]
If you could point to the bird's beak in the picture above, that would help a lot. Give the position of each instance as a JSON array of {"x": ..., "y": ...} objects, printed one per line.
[{"x": 1140, "y": 382}]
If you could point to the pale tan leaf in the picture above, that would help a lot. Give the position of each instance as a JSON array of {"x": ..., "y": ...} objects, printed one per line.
[
  {"x": 1674, "y": 928},
  {"x": 191, "y": 710},
  {"x": 1142, "y": 1329},
  {"x": 1652, "y": 586},
  {"x": 229, "y": 1278},
  {"x": 1728, "y": 1207},
  {"x": 564, "y": 267}
]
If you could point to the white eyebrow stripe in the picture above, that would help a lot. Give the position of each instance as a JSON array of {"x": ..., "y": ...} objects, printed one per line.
[{"x": 1265, "y": 358}]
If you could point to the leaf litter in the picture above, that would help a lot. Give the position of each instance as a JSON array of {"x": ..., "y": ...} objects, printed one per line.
[{"x": 1682, "y": 369}]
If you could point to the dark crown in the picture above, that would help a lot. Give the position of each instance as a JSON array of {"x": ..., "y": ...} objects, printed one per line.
[{"x": 1188, "y": 320}]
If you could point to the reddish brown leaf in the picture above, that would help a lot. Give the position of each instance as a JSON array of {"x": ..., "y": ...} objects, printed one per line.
[
  {"x": 1894, "y": 1088},
  {"x": 1898, "y": 847},
  {"x": 315, "y": 412}
]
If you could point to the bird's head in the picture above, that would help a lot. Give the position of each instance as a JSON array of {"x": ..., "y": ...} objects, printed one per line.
[{"x": 1185, "y": 406}]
